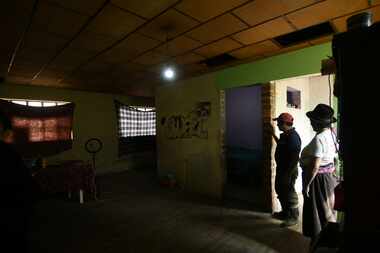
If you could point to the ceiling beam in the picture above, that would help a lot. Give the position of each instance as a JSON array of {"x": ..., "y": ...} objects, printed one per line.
[{"x": 21, "y": 40}]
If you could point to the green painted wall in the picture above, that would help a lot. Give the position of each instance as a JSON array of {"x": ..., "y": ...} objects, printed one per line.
[
  {"x": 94, "y": 116},
  {"x": 296, "y": 63},
  {"x": 195, "y": 162}
]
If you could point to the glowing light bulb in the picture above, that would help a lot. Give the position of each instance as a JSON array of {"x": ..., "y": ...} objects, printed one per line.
[{"x": 169, "y": 73}]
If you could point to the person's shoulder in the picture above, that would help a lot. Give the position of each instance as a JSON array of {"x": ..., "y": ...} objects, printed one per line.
[
  {"x": 294, "y": 140},
  {"x": 323, "y": 135},
  {"x": 295, "y": 134},
  {"x": 320, "y": 139},
  {"x": 295, "y": 130}
]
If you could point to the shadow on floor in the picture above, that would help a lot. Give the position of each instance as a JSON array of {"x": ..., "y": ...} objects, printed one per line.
[{"x": 136, "y": 215}]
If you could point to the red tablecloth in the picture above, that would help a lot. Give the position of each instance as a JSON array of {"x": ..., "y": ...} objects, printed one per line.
[{"x": 68, "y": 176}]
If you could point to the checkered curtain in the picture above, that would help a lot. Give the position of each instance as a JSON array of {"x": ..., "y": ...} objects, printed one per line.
[
  {"x": 133, "y": 121},
  {"x": 136, "y": 129}
]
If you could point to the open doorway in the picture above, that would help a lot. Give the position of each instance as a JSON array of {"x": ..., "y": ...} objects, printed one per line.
[
  {"x": 297, "y": 96},
  {"x": 243, "y": 144},
  {"x": 248, "y": 153}
]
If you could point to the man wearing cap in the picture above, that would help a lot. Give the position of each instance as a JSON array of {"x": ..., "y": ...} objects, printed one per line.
[{"x": 286, "y": 156}]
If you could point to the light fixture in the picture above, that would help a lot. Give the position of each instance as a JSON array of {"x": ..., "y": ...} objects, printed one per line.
[{"x": 168, "y": 71}]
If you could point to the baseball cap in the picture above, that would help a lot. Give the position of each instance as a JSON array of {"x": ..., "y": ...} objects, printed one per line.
[{"x": 285, "y": 117}]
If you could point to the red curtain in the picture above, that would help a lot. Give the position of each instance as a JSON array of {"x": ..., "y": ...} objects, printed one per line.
[{"x": 40, "y": 131}]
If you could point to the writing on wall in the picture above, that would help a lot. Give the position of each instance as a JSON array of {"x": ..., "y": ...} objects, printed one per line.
[{"x": 189, "y": 125}]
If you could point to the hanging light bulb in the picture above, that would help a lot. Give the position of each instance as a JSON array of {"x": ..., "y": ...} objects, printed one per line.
[{"x": 169, "y": 73}]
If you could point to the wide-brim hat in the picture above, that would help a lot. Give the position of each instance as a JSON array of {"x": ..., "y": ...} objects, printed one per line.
[{"x": 322, "y": 113}]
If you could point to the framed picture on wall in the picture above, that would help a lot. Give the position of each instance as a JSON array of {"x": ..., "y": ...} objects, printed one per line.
[{"x": 293, "y": 98}]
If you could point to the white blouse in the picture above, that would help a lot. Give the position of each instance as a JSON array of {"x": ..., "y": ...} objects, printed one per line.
[{"x": 323, "y": 146}]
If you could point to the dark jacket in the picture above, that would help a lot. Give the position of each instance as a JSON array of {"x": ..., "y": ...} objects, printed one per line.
[{"x": 288, "y": 149}]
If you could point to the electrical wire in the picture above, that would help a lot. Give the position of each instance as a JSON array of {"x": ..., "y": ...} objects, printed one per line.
[
  {"x": 329, "y": 90},
  {"x": 23, "y": 36},
  {"x": 334, "y": 136}
]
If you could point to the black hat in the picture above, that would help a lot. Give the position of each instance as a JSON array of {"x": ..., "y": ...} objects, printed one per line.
[{"x": 322, "y": 113}]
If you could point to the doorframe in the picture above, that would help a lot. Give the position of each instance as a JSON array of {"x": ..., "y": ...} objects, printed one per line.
[
  {"x": 269, "y": 166},
  {"x": 268, "y": 170}
]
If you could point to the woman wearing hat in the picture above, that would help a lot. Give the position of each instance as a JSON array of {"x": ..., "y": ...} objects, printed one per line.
[{"x": 317, "y": 162}]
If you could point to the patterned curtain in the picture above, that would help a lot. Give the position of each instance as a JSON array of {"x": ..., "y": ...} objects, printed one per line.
[
  {"x": 136, "y": 129},
  {"x": 40, "y": 131}
]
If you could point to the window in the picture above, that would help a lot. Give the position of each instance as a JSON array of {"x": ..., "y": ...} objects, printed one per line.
[
  {"x": 48, "y": 104},
  {"x": 20, "y": 102},
  {"x": 35, "y": 103},
  {"x": 293, "y": 98},
  {"x": 39, "y": 127},
  {"x": 44, "y": 128},
  {"x": 136, "y": 128},
  {"x": 136, "y": 121}
]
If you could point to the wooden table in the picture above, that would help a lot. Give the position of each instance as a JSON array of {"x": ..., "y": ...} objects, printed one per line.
[{"x": 68, "y": 176}]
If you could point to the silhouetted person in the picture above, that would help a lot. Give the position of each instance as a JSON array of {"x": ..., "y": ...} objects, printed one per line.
[
  {"x": 15, "y": 195},
  {"x": 286, "y": 156},
  {"x": 319, "y": 181}
]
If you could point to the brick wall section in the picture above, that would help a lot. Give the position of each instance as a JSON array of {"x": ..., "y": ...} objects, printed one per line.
[
  {"x": 268, "y": 109},
  {"x": 222, "y": 136}
]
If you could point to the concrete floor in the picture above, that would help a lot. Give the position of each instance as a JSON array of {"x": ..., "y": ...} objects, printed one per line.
[{"x": 135, "y": 214}]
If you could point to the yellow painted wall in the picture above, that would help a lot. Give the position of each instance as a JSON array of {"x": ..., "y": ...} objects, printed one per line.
[
  {"x": 195, "y": 162},
  {"x": 94, "y": 116}
]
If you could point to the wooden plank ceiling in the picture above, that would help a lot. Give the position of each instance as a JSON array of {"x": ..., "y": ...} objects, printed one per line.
[{"x": 119, "y": 46}]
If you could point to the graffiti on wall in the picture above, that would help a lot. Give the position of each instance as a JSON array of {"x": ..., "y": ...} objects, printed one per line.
[{"x": 189, "y": 125}]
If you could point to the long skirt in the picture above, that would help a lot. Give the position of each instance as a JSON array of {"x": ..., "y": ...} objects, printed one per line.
[{"x": 318, "y": 207}]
